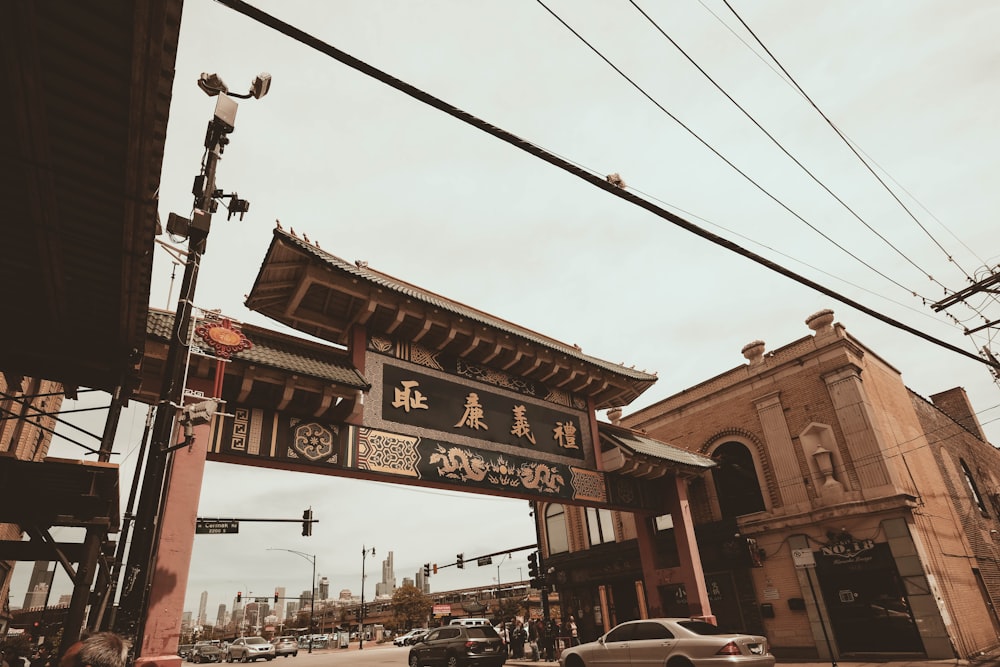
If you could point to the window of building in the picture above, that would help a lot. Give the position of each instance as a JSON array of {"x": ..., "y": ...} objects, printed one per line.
[
  {"x": 736, "y": 483},
  {"x": 976, "y": 496},
  {"x": 600, "y": 526},
  {"x": 555, "y": 529}
]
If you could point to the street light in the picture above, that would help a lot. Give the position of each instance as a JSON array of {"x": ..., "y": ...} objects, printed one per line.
[
  {"x": 312, "y": 588},
  {"x": 361, "y": 612}
]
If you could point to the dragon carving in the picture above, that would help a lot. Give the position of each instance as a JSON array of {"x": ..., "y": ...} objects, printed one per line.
[
  {"x": 541, "y": 477},
  {"x": 457, "y": 463}
]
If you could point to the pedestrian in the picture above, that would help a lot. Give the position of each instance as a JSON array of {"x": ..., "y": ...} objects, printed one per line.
[
  {"x": 551, "y": 636},
  {"x": 537, "y": 639},
  {"x": 103, "y": 649},
  {"x": 571, "y": 630},
  {"x": 517, "y": 639},
  {"x": 42, "y": 658},
  {"x": 13, "y": 659}
]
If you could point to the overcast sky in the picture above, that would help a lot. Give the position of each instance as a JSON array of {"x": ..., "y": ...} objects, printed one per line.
[{"x": 373, "y": 175}]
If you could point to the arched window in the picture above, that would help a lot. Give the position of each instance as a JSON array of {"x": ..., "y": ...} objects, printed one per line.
[
  {"x": 736, "y": 484},
  {"x": 555, "y": 529}
]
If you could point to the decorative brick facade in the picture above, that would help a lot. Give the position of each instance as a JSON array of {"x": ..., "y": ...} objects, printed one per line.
[{"x": 871, "y": 513}]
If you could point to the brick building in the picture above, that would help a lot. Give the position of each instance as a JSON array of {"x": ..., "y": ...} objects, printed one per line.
[
  {"x": 27, "y": 415},
  {"x": 846, "y": 514}
]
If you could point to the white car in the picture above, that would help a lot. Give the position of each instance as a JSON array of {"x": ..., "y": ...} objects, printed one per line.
[
  {"x": 248, "y": 649},
  {"x": 409, "y": 637},
  {"x": 670, "y": 641}
]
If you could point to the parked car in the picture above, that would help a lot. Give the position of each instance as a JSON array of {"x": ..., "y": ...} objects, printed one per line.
[
  {"x": 205, "y": 652},
  {"x": 670, "y": 641},
  {"x": 285, "y": 646},
  {"x": 454, "y": 645},
  {"x": 248, "y": 649},
  {"x": 409, "y": 637},
  {"x": 183, "y": 650}
]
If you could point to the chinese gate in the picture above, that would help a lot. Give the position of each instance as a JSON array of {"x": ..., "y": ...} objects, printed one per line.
[{"x": 422, "y": 391}]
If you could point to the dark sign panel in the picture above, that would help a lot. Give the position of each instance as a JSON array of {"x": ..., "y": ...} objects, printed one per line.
[
  {"x": 209, "y": 527},
  {"x": 463, "y": 408}
]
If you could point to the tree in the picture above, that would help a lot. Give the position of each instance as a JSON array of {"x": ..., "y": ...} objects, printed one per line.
[{"x": 410, "y": 606}]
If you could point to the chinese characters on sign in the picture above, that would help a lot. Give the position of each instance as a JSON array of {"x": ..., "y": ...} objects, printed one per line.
[{"x": 413, "y": 398}]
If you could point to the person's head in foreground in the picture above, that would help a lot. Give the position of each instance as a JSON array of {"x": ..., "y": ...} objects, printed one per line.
[{"x": 103, "y": 649}]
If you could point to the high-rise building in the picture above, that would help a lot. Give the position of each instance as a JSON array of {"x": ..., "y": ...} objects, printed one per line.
[
  {"x": 291, "y": 609},
  {"x": 423, "y": 583},
  {"x": 387, "y": 586},
  {"x": 203, "y": 608},
  {"x": 38, "y": 585},
  {"x": 220, "y": 617},
  {"x": 324, "y": 589},
  {"x": 278, "y": 605}
]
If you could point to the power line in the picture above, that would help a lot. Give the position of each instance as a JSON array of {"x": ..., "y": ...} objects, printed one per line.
[
  {"x": 722, "y": 157},
  {"x": 422, "y": 96},
  {"x": 777, "y": 143},
  {"x": 843, "y": 138}
]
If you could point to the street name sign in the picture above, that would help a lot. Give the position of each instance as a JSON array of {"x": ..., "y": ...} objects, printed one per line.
[{"x": 212, "y": 527}]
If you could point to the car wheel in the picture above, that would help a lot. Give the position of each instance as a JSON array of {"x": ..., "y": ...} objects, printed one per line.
[
  {"x": 574, "y": 661},
  {"x": 414, "y": 661}
]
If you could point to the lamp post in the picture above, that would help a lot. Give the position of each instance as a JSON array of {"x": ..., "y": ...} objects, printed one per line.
[
  {"x": 312, "y": 587},
  {"x": 361, "y": 611},
  {"x": 134, "y": 602}
]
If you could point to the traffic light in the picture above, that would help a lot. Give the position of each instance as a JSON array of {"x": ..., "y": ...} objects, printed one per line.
[
  {"x": 275, "y": 597},
  {"x": 460, "y": 561},
  {"x": 239, "y": 597},
  {"x": 307, "y": 523},
  {"x": 536, "y": 580},
  {"x": 435, "y": 568},
  {"x": 427, "y": 569}
]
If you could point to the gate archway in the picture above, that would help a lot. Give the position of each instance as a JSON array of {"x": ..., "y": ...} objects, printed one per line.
[{"x": 415, "y": 389}]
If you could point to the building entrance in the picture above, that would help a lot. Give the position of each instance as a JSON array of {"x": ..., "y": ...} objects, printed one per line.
[{"x": 868, "y": 607}]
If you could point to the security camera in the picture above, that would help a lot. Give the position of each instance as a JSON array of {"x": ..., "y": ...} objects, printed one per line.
[{"x": 212, "y": 84}]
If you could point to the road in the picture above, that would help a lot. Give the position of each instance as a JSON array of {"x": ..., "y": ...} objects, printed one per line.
[{"x": 372, "y": 654}]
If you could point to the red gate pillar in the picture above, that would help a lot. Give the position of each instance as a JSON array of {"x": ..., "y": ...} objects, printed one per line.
[
  {"x": 690, "y": 571},
  {"x": 172, "y": 559}
]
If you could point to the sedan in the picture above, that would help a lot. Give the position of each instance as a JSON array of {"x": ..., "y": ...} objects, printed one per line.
[
  {"x": 248, "y": 649},
  {"x": 674, "y": 642}
]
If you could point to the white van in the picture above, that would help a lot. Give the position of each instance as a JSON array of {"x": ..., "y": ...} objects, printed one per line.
[{"x": 471, "y": 621}]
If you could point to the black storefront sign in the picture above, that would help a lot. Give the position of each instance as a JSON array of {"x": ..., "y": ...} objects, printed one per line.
[{"x": 424, "y": 401}]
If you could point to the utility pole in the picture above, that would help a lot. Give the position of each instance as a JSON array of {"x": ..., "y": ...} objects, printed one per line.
[{"x": 142, "y": 554}]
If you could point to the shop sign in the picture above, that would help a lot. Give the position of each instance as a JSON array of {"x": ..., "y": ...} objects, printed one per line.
[{"x": 853, "y": 551}]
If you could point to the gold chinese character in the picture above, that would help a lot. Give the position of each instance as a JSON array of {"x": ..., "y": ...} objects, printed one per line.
[
  {"x": 473, "y": 417},
  {"x": 565, "y": 434},
  {"x": 408, "y": 397},
  {"x": 522, "y": 428}
]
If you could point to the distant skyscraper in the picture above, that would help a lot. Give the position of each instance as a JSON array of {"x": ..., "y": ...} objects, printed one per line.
[
  {"x": 203, "y": 608},
  {"x": 38, "y": 585},
  {"x": 186, "y": 619},
  {"x": 280, "y": 604},
  {"x": 220, "y": 618},
  {"x": 345, "y": 594},
  {"x": 408, "y": 582},
  {"x": 387, "y": 586},
  {"x": 324, "y": 589},
  {"x": 291, "y": 609},
  {"x": 423, "y": 583}
]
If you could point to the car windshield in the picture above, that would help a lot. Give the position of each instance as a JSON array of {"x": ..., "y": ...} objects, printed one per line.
[
  {"x": 703, "y": 628},
  {"x": 256, "y": 640}
]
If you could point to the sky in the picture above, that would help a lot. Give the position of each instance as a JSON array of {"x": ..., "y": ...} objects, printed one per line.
[{"x": 374, "y": 175}]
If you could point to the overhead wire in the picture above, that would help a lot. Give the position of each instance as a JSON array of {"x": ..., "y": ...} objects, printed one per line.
[
  {"x": 834, "y": 127},
  {"x": 781, "y": 146},
  {"x": 977, "y": 310},
  {"x": 422, "y": 96},
  {"x": 726, "y": 160}
]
